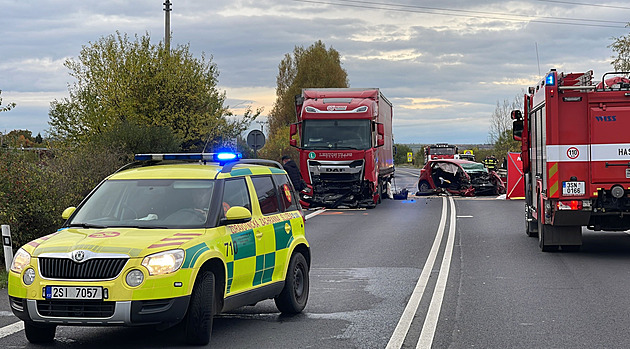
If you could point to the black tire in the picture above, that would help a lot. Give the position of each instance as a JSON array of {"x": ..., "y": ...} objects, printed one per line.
[
  {"x": 39, "y": 333},
  {"x": 380, "y": 192},
  {"x": 424, "y": 187},
  {"x": 201, "y": 310},
  {"x": 294, "y": 295}
]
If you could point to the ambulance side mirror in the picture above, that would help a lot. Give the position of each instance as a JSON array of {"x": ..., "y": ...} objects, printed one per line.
[{"x": 236, "y": 215}]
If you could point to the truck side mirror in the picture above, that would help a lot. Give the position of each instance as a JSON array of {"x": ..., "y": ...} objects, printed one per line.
[
  {"x": 516, "y": 115},
  {"x": 292, "y": 132},
  {"x": 517, "y": 129},
  {"x": 380, "y": 140}
]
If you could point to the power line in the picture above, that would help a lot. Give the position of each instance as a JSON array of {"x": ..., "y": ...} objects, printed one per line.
[
  {"x": 459, "y": 13},
  {"x": 584, "y": 4}
]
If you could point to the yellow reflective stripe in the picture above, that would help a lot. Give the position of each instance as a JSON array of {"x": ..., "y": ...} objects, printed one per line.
[{"x": 553, "y": 180}]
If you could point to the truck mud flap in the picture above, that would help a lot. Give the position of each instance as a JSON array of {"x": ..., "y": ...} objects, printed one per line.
[{"x": 551, "y": 237}]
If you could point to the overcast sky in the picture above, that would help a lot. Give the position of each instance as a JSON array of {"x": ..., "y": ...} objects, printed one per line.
[{"x": 443, "y": 64}]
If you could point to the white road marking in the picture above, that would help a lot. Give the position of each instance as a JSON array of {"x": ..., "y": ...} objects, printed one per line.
[
  {"x": 433, "y": 315},
  {"x": 313, "y": 214},
  {"x": 11, "y": 329},
  {"x": 398, "y": 337}
]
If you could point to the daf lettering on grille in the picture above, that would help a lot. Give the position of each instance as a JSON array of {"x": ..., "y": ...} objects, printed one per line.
[{"x": 335, "y": 169}]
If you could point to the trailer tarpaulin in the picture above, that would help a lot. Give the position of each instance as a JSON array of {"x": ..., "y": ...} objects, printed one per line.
[{"x": 515, "y": 181}]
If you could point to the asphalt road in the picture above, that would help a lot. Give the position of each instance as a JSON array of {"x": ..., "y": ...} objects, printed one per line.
[{"x": 423, "y": 272}]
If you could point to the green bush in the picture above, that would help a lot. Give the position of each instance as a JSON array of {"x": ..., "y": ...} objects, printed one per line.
[{"x": 35, "y": 187}]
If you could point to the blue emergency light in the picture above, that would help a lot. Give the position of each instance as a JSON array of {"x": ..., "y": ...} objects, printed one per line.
[
  {"x": 222, "y": 158},
  {"x": 550, "y": 79}
]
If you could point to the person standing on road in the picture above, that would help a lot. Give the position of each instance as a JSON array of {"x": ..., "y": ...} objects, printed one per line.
[{"x": 294, "y": 172}]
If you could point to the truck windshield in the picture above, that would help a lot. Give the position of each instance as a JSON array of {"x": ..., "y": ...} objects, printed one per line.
[
  {"x": 336, "y": 134},
  {"x": 147, "y": 203}
]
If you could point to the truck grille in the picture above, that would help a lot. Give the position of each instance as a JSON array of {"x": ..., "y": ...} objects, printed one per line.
[
  {"x": 76, "y": 308},
  {"x": 91, "y": 269}
]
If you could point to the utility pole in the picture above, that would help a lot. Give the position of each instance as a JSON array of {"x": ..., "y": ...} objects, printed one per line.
[{"x": 167, "y": 25}]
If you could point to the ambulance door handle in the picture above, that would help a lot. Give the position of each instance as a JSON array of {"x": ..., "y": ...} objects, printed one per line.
[{"x": 259, "y": 234}]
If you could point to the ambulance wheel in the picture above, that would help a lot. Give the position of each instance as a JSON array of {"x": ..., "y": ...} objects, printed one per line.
[
  {"x": 39, "y": 333},
  {"x": 294, "y": 295},
  {"x": 542, "y": 231},
  {"x": 201, "y": 310}
]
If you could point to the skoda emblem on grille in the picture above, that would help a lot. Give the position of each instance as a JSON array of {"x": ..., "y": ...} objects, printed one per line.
[{"x": 78, "y": 256}]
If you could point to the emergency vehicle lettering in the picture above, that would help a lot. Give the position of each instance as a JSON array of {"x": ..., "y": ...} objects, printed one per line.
[
  {"x": 264, "y": 268},
  {"x": 259, "y": 222},
  {"x": 562, "y": 153},
  {"x": 610, "y": 152},
  {"x": 193, "y": 253}
]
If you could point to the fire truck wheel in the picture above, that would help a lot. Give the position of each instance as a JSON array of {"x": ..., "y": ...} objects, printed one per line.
[
  {"x": 201, "y": 310},
  {"x": 541, "y": 239},
  {"x": 529, "y": 229}
]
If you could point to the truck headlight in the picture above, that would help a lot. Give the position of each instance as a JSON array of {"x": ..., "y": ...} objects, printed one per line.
[
  {"x": 20, "y": 261},
  {"x": 164, "y": 262}
]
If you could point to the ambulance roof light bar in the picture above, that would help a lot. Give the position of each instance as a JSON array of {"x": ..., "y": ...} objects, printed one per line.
[{"x": 222, "y": 158}]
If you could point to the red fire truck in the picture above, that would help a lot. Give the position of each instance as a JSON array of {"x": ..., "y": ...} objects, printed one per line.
[
  {"x": 440, "y": 151},
  {"x": 576, "y": 157},
  {"x": 345, "y": 146}
]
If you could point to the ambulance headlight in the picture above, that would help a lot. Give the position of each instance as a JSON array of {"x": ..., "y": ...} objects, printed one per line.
[
  {"x": 134, "y": 278},
  {"x": 164, "y": 262},
  {"x": 20, "y": 260}
]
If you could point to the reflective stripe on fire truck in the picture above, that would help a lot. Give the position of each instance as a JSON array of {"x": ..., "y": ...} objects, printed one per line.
[
  {"x": 574, "y": 152},
  {"x": 610, "y": 152},
  {"x": 553, "y": 180},
  {"x": 580, "y": 152}
]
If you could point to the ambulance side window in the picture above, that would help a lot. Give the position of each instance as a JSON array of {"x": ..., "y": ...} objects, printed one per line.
[
  {"x": 235, "y": 194},
  {"x": 267, "y": 195},
  {"x": 288, "y": 198}
]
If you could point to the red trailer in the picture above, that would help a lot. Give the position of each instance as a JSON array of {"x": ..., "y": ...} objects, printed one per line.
[
  {"x": 345, "y": 145},
  {"x": 576, "y": 157}
]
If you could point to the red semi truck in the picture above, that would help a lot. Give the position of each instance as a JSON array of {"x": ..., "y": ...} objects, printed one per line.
[
  {"x": 345, "y": 145},
  {"x": 576, "y": 157}
]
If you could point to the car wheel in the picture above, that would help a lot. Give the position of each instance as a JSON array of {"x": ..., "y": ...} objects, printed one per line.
[
  {"x": 39, "y": 333},
  {"x": 201, "y": 310},
  {"x": 294, "y": 295},
  {"x": 424, "y": 187}
]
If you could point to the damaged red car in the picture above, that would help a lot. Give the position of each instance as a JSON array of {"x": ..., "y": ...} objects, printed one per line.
[{"x": 459, "y": 177}]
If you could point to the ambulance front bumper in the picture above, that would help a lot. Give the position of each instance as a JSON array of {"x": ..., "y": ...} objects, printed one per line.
[{"x": 122, "y": 313}]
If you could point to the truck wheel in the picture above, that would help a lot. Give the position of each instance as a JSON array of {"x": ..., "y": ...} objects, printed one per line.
[
  {"x": 424, "y": 187},
  {"x": 39, "y": 333},
  {"x": 542, "y": 231},
  {"x": 201, "y": 310},
  {"x": 294, "y": 295}
]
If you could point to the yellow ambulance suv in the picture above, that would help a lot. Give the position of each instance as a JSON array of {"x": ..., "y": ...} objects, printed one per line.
[{"x": 167, "y": 238}]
